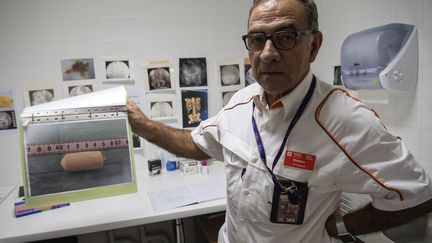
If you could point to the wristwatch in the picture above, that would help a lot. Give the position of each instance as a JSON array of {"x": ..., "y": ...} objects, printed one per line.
[{"x": 343, "y": 233}]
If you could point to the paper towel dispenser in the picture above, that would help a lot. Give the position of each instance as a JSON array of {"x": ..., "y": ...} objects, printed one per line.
[{"x": 381, "y": 57}]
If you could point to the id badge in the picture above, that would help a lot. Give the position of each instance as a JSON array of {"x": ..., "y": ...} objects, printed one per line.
[{"x": 288, "y": 207}]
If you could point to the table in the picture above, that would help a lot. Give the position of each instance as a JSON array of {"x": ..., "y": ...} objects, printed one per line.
[{"x": 107, "y": 213}]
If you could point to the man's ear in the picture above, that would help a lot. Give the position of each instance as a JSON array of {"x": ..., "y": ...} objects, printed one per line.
[{"x": 317, "y": 39}]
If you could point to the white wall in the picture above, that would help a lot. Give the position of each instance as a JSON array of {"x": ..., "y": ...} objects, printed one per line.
[
  {"x": 37, "y": 35},
  {"x": 406, "y": 115}
]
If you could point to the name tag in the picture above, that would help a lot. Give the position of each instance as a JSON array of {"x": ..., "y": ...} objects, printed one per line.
[{"x": 299, "y": 160}]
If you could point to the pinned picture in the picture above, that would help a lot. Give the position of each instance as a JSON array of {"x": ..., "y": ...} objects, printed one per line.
[
  {"x": 193, "y": 72},
  {"x": 194, "y": 107},
  {"x": 226, "y": 96},
  {"x": 162, "y": 107},
  {"x": 78, "y": 69},
  {"x": 158, "y": 76},
  {"x": 78, "y": 89},
  {"x": 117, "y": 69},
  {"x": 249, "y": 79},
  {"x": 229, "y": 75},
  {"x": 7, "y": 111},
  {"x": 36, "y": 96}
]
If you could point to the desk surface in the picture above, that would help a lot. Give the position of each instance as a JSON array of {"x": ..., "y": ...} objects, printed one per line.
[{"x": 107, "y": 213}]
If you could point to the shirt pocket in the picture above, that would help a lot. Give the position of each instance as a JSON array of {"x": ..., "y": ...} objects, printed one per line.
[{"x": 236, "y": 168}]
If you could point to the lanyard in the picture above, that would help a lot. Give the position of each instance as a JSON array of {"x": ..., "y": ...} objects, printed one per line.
[{"x": 295, "y": 119}]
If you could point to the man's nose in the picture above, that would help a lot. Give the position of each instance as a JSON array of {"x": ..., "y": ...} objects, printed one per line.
[{"x": 269, "y": 53}]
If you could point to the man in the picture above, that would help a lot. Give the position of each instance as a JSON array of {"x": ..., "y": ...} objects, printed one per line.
[{"x": 292, "y": 144}]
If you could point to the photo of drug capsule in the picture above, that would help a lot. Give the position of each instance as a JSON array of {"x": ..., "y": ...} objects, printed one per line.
[{"x": 82, "y": 161}]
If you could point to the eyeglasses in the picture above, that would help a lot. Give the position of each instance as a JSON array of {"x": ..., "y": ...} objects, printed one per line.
[{"x": 283, "y": 40}]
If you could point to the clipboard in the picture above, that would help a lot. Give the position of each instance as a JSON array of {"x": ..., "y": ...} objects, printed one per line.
[{"x": 77, "y": 148}]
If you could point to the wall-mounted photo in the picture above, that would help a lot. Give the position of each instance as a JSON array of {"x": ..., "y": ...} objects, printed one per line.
[
  {"x": 193, "y": 72},
  {"x": 78, "y": 69},
  {"x": 7, "y": 111},
  {"x": 194, "y": 107},
  {"x": 229, "y": 75},
  {"x": 158, "y": 76},
  {"x": 117, "y": 69},
  {"x": 78, "y": 89},
  {"x": 248, "y": 75},
  {"x": 162, "y": 107},
  {"x": 36, "y": 96},
  {"x": 226, "y": 96},
  {"x": 337, "y": 75}
]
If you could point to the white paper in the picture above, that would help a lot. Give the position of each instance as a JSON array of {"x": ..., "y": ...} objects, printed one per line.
[
  {"x": 208, "y": 191},
  {"x": 108, "y": 97},
  {"x": 171, "y": 198},
  {"x": 187, "y": 195}
]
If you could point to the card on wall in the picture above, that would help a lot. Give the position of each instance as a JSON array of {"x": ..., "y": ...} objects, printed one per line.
[
  {"x": 117, "y": 69},
  {"x": 39, "y": 94},
  {"x": 162, "y": 107},
  {"x": 194, "y": 107},
  {"x": 7, "y": 110},
  {"x": 77, "y": 69},
  {"x": 193, "y": 72},
  {"x": 158, "y": 77}
]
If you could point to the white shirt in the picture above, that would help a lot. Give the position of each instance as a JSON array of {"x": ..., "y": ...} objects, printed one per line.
[{"x": 354, "y": 153}]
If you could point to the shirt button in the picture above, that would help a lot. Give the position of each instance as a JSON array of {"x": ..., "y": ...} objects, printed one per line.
[
  {"x": 254, "y": 160},
  {"x": 247, "y": 192}
]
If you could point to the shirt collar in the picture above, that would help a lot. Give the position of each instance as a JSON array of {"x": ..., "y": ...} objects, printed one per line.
[{"x": 289, "y": 102}]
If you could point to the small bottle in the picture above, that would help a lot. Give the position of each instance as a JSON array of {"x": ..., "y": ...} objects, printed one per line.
[
  {"x": 204, "y": 167},
  {"x": 199, "y": 167}
]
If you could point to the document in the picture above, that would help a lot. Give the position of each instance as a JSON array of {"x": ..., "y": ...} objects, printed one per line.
[
  {"x": 186, "y": 195},
  {"x": 77, "y": 148}
]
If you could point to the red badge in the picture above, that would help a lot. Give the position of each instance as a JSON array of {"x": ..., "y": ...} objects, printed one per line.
[{"x": 299, "y": 160}]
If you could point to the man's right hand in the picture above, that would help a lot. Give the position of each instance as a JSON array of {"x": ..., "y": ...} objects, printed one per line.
[{"x": 137, "y": 119}]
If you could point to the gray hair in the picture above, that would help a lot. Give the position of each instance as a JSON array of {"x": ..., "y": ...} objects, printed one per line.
[{"x": 310, "y": 7}]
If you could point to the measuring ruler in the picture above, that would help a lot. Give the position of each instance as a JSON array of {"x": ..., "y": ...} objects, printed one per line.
[{"x": 79, "y": 146}]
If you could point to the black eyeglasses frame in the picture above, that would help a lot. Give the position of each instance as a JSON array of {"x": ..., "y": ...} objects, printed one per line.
[{"x": 297, "y": 34}]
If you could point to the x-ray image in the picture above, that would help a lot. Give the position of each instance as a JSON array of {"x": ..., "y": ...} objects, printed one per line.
[
  {"x": 7, "y": 120},
  {"x": 230, "y": 74},
  {"x": 226, "y": 96},
  {"x": 159, "y": 78},
  {"x": 193, "y": 72},
  {"x": 40, "y": 96},
  {"x": 161, "y": 109},
  {"x": 7, "y": 111},
  {"x": 117, "y": 69},
  {"x": 194, "y": 107},
  {"x": 80, "y": 89}
]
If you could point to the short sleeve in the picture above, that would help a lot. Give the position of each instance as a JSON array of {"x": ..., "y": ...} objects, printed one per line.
[
  {"x": 376, "y": 162},
  {"x": 206, "y": 137}
]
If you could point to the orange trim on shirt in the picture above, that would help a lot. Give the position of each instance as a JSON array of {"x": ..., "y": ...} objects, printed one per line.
[
  {"x": 357, "y": 164},
  {"x": 276, "y": 105},
  {"x": 242, "y": 103},
  {"x": 226, "y": 109}
]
